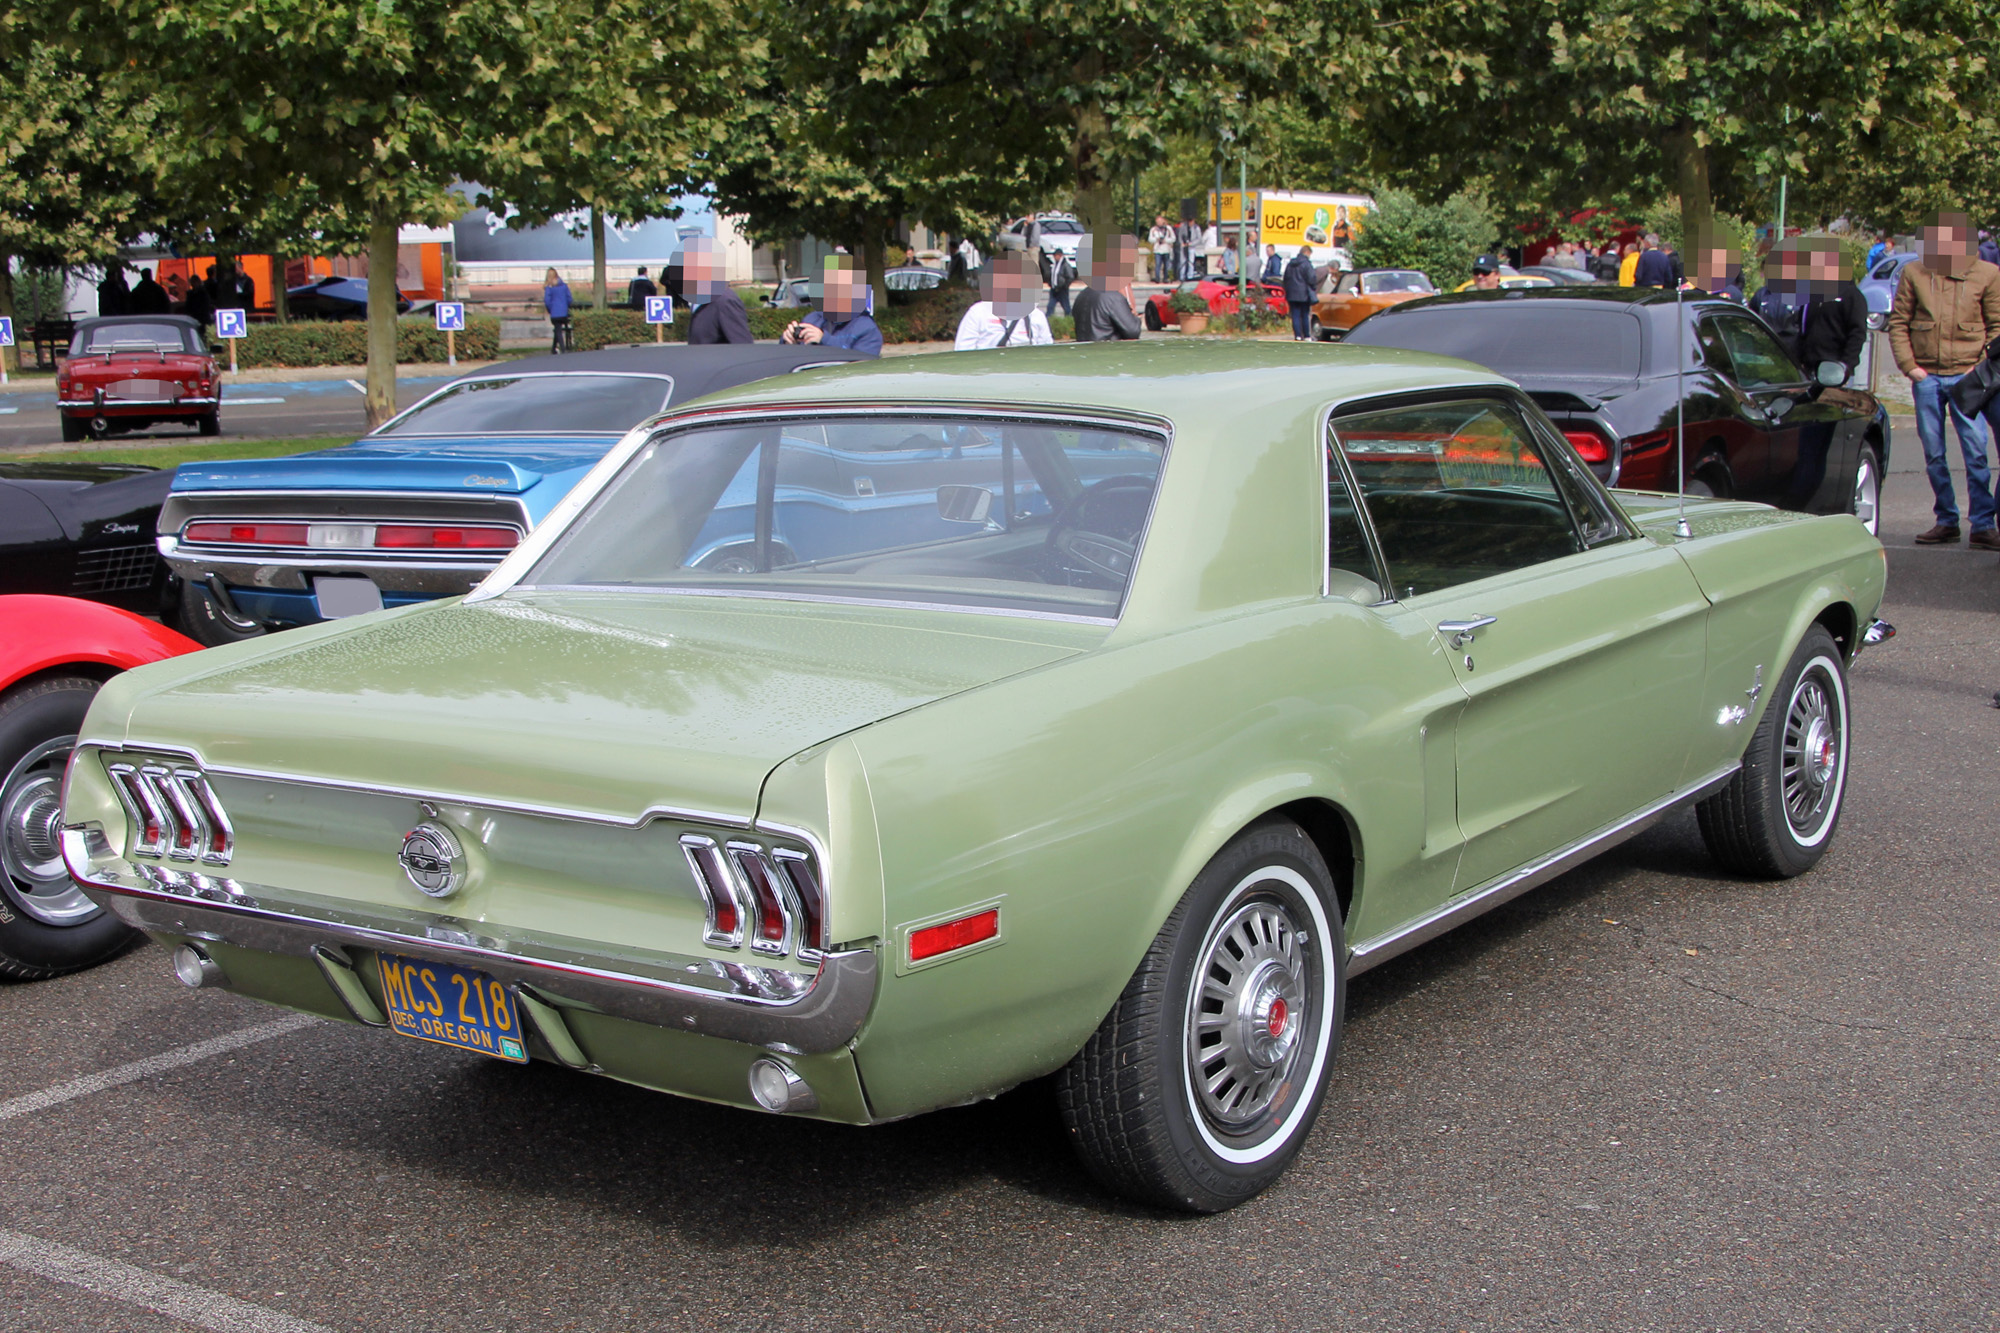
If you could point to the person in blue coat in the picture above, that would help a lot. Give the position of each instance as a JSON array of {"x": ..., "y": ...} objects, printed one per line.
[
  {"x": 1301, "y": 287},
  {"x": 556, "y": 300},
  {"x": 842, "y": 319}
]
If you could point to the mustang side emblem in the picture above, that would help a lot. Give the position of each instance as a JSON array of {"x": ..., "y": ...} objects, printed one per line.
[
  {"x": 476, "y": 480},
  {"x": 433, "y": 860}
]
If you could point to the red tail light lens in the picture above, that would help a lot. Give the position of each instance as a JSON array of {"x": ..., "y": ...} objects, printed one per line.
[
  {"x": 248, "y": 534},
  {"x": 724, "y": 925},
  {"x": 1589, "y": 445},
  {"x": 811, "y": 899},
  {"x": 445, "y": 539},
  {"x": 770, "y": 928},
  {"x": 932, "y": 941}
]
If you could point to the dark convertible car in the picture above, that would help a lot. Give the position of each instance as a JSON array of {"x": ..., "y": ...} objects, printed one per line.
[{"x": 1602, "y": 363}]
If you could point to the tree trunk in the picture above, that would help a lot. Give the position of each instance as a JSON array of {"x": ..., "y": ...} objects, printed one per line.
[
  {"x": 598, "y": 288},
  {"x": 381, "y": 319},
  {"x": 10, "y": 357},
  {"x": 281, "y": 311},
  {"x": 1089, "y": 128},
  {"x": 875, "y": 255},
  {"x": 1690, "y": 163}
]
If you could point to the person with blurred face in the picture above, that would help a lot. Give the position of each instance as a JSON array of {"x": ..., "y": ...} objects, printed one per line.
[
  {"x": 1010, "y": 316},
  {"x": 1946, "y": 310},
  {"x": 1486, "y": 274},
  {"x": 1718, "y": 268},
  {"x": 696, "y": 277},
  {"x": 842, "y": 319},
  {"x": 1104, "y": 310},
  {"x": 1818, "y": 315}
]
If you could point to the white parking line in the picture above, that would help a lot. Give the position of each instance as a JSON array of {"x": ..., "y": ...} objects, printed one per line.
[
  {"x": 249, "y": 402},
  {"x": 359, "y": 387},
  {"x": 8, "y": 411},
  {"x": 148, "y": 1290},
  {"x": 152, "y": 1064}
]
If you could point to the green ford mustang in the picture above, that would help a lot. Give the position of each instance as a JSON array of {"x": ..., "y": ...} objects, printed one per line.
[{"x": 876, "y": 740}]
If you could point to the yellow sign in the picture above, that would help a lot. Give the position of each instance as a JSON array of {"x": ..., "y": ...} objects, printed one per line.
[
  {"x": 1292, "y": 219},
  {"x": 1230, "y": 209}
]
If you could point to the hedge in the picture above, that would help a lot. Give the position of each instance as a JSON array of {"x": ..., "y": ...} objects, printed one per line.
[
  {"x": 319, "y": 342},
  {"x": 931, "y": 316}
]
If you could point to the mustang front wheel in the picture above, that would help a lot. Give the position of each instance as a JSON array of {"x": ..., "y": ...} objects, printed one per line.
[
  {"x": 47, "y": 925},
  {"x": 1202, "y": 1083},
  {"x": 1777, "y": 815}
]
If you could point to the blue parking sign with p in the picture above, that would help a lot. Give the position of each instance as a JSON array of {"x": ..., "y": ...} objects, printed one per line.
[
  {"x": 659, "y": 310},
  {"x": 450, "y": 316},
  {"x": 6, "y": 333},
  {"x": 231, "y": 324}
]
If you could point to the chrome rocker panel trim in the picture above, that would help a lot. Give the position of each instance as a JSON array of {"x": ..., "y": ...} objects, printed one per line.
[
  {"x": 1536, "y": 873},
  {"x": 754, "y": 1005}
]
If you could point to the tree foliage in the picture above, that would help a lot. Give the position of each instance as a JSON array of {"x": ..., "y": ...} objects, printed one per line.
[{"x": 1440, "y": 239}]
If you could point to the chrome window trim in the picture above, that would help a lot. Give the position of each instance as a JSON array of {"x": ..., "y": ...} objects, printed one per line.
[
  {"x": 827, "y": 599},
  {"x": 646, "y": 816},
  {"x": 490, "y": 377},
  {"x": 556, "y": 522}
]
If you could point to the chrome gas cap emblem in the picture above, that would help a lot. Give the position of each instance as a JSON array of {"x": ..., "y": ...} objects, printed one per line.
[{"x": 433, "y": 859}]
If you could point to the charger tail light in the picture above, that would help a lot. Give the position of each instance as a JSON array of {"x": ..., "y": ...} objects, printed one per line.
[
  {"x": 1590, "y": 446},
  {"x": 724, "y": 911},
  {"x": 934, "y": 941},
  {"x": 811, "y": 900},
  {"x": 401, "y": 537},
  {"x": 174, "y": 813},
  {"x": 772, "y": 930}
]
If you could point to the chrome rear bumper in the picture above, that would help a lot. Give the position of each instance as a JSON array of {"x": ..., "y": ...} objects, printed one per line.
[{"x": 791, "y": 1012}]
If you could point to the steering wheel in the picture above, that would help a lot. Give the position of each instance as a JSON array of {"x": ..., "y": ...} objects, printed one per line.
[{"x": 1083, "y": 541}]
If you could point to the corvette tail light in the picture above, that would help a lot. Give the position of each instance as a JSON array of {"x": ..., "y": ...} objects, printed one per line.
[
  {"x": 951, "y": 936},
  {"x": 174, "y": 813},
  {"x": 771, "y": 932},
  {"x": 248, "y": 534},
  {"x": 1590, "y": 446},
  {"x": 455, "y": 538}
]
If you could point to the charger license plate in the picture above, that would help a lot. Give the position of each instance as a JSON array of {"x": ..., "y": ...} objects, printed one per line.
[{"x": 450, "y": 1006}]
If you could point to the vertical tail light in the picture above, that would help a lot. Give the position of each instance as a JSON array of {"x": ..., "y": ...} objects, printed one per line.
[
  {"x": 772, "y": 930},
  {"x": 724, "y": 907},
  {"x": 146, "y": 810},
  {"x": 797, "y": 870},
  {"x": 174, "y": 813}
]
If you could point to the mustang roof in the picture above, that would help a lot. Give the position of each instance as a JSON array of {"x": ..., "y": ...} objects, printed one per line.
[{"x": 1270, "y": 379}]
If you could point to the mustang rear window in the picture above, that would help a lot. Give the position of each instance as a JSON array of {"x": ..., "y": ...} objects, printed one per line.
[
  {"x": 522, "y": 403},
  {"x": 1520, "y": 341},
  {"x": 1018, "y": 515}
]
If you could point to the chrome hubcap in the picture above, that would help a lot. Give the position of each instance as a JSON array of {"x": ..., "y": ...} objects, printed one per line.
[
  {"x": 1812, "y": 751},
  {"x": 1866, "y": 495},
  {"x": 30, "y": 838},
  {"x": 1245, "y": 1012}
]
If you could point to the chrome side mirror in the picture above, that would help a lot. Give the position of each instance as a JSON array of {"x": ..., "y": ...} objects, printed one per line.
[
  {"x": 1831, "y": 374},
  {"x": 1777, "y": 408},
  {"x": 964, "y": 504}
]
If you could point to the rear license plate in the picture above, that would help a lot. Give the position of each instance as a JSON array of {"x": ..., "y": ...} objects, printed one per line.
[
  {"x": 450, "y": 1006},
  {"x": 342, "y": 597}
]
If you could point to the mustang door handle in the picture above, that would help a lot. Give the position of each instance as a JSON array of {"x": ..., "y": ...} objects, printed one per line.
[{"x": 1460, "y": 632}]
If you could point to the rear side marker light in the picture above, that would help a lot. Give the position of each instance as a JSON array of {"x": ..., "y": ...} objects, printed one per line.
[
  {"x": 723, "y": 925},
  {"x": 1589, "y": 445},
  {"x": 933, "y": 941}
]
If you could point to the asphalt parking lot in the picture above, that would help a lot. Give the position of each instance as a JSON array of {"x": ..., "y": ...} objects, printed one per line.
[{"x": 1641, "y": 1097}]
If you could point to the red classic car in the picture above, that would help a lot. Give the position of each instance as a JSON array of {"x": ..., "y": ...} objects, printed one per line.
[
  {"x": 1220, "y": 293},
  {"x": 54, "y": 653},
  {"x": 127, "y": 372}
]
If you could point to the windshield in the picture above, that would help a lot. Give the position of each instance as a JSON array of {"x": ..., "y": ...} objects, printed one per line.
[
  {"x": 1061, "y": 227},
  {"x": 523, "y": 403},
  {"x": 131, "y": 338},
  {"x": 1518, "y": 340},
  {"x": 1374, "y": 284},
  {"x": 990, "y": 513}
]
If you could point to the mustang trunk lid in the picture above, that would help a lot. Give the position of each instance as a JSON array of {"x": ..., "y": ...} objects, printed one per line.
[{"x": 603, "y": 703}]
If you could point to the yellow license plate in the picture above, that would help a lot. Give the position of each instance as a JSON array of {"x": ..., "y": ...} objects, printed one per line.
[{"x": 450, "y": 1006}]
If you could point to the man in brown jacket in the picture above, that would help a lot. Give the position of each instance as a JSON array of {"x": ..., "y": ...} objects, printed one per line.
[{"x": 1947, "y": 308}]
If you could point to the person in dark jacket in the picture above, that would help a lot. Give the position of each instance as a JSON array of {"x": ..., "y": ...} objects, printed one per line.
[
  {"x": 842, "y": 319},
  {"x": 1274, "y": 265},
  {"x": 556, "y": 300},
  {"x": 148, "y": 297},
  {"x": 719, "y": 316},
  {"x": 200, "y": 301},
  {"x": 640, "y": 288},
  {"x": 1655, "y": 268},
  {"x": 1058, "y": 272},
  {"x": 1301, "y": 289},
  {"x": 1104, "y": 310},
  {"x": 113, "y": 296},
  {"x": 1818, "y": 315}
]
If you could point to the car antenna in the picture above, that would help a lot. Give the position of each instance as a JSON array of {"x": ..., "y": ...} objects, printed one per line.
[{"x": 1681, "y": 528}]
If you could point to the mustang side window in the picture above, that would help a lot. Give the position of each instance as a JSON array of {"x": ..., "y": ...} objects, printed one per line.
[
  {"x": 1350, "y": 567},
  {"x": 1457, "y": 491}
]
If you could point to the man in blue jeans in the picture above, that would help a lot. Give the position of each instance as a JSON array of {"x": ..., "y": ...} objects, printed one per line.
[{"x": 1946, "y": 310}]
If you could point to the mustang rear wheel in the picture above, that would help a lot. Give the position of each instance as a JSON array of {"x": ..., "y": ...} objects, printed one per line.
[
  {"x": 1201, "y": 1085},
  {"x": 1777, "y": 815},
  {"x": 47, "y": 925}
]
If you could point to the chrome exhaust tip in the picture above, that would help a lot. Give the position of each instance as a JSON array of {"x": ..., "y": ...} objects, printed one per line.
[
  {"x": 777, "y": 1087},
  {"x": 196, "y": 970}
]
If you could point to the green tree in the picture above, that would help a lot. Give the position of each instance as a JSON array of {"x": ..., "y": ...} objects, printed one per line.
[{"x": 1439, "y": 239}]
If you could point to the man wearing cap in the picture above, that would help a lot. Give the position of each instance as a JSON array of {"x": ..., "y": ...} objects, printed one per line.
[{"x": 1485, "y": 274}]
